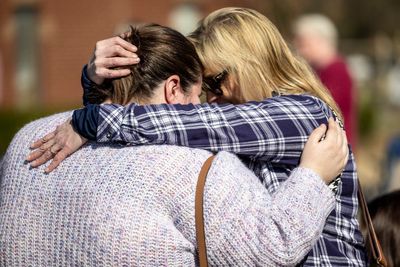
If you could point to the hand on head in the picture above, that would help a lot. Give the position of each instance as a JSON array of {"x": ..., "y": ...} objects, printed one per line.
[
  {"x": 56, "y": 145},
  {"x": 111, "y": 58},
  {"x": 326, "y": 151}
]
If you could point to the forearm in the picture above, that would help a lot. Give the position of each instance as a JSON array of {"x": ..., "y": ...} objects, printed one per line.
[
  {"x": 86, "y": 84},
  {"x": 279, "y": 231},
  {"x": 85, "y": 121},
  {"x": 299, "y": 209},
  {"x": 274, "y": 129}
]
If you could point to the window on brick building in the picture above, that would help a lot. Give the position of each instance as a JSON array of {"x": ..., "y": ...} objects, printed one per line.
[{"x": 27, "y": 56}]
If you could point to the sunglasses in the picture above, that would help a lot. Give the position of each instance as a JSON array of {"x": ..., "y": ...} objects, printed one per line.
[{"x": 213, "y": 84}]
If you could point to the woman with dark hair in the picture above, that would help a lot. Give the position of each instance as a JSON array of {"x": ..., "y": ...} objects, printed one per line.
[
  {"x": 385, "y": 215},
  {"x": 164, "y": 53}
]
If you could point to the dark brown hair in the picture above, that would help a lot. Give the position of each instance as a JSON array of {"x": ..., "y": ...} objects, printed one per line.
[
  {"x": 385, "y": 214},
  {"x": 163, "y": 52}
]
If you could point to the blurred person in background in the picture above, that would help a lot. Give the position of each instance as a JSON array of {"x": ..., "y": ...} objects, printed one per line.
[
  {"x": 385, "y": 215},
  {"x": 134, "y": 206},
  {"x": 316, "y": 40},
  {"x": 392, "y": 165},
  {"x": 264, "y": 102}
]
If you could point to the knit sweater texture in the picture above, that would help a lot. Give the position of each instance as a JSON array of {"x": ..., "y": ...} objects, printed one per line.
[{"x": 134, "y": 206}]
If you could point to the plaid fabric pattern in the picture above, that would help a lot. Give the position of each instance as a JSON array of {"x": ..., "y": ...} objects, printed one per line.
[{"x": 269, "y": 136}]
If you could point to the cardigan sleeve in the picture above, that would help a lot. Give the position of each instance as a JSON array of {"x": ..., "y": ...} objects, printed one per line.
[
  {"x": 86, "y": 84},
  {"x": 247, "y": 226}
]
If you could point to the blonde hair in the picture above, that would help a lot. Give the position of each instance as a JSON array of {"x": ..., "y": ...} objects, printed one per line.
[{"x": 250, "y": 47}]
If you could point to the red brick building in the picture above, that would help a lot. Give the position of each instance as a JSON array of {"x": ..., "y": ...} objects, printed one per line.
[{"x": 44, "y": 43}]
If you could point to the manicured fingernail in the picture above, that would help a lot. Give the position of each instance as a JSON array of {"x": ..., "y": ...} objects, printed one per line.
[{"x": 135, "y": 60}]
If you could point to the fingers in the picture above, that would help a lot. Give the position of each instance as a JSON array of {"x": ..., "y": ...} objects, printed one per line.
[
  {"x": 125, "y": 35},
  {"x": 337, "y": 136},
  {"x": 108, "y": 59},
  {"x": 58, "y": 158},
  {"x": 326, "y": 156},
  {"x": 125, "y": 44},
  {"x": 43, "y": 140},
  {"x": 46, "y": 156},
  {"x": 41, "y": 146},
  {"x": 342, "y": 145},
  {"x": 116, "y": 41},
  {"x": 116, "y": 51},
  {"x": 112, "y": 48},
  {"x": 113, "y": 62},
  {"x": 317, "y": 134},
  {"x": 333, "y": 130},
  {"x": 40, "y": 151},
  {"x": 57, "y": 146},
  {"x": 109, "y": 55},
  {"x": 110, "y": 74}
]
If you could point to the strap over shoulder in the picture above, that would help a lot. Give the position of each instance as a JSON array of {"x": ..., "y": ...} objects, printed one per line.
[
  {"x": 199, "y": 214},
  {"x": 378, "y": 256}
]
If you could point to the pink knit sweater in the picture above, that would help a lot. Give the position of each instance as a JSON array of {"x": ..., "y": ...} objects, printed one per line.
[{"x": 134, "y": 206}]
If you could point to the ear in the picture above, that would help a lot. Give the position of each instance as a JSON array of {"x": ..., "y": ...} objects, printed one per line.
[{"x": 173, "y": 90}]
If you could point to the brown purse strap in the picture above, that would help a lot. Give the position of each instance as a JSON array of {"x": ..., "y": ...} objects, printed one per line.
[
  {"x": 376, "y": 249},
  {"x": 198, "y": 212}
]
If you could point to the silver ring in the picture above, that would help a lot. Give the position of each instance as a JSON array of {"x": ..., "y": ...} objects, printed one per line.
[{"x": 52, "y": 153}]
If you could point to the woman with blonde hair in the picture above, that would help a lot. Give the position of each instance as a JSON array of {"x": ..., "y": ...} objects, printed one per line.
[
  {"x": 250, "y": 48},
  {"x": 264, "y": 103}
]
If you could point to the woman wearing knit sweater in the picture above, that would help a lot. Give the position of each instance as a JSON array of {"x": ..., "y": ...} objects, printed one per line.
[
  {"x": 245, "y": 59},
  {"x": 134, "y": 206}
]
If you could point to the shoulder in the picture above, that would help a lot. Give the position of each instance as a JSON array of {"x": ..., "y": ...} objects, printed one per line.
[
  {"x": 40, "y": 127},
  {"x": 176, "y": 156},
  {"x": 300, "y": 99},
  {"x": 37, "y": 129},
  {"x": 165, "y": 158},
  {"x": 298, "y": 104}
]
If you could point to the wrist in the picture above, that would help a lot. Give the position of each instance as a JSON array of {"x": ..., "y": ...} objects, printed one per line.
[
  {"x": 333, "y": 184},
  {"x": 70, "y": 122},
  {"x": 84, "y": 121},
  {"x": 91, "y": 74},
  {"x": 316, "y": 171}
]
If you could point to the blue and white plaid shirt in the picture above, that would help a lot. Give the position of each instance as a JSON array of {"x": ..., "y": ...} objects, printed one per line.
[{"x": 269, "y": 136}]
